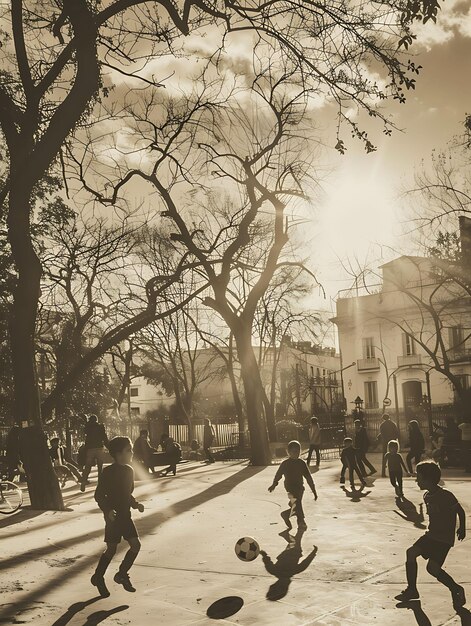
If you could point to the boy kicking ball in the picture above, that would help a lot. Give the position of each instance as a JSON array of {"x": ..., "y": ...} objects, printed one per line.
[
  {"x": 295, "y": 471},
  {"x": 114, "y": 497},
  {"x": 442, "y": 508}
]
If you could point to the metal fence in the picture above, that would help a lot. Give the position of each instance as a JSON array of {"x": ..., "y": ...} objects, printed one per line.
[{"x": 227, "y": 435}]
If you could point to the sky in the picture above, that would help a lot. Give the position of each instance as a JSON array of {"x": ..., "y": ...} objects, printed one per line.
[{"x": 363, "y": 213}]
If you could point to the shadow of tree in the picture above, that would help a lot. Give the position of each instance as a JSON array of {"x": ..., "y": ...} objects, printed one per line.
[{"x": 148, "y": 524}]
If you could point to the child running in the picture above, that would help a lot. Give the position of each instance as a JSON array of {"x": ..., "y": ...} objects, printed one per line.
[
  {"x": 114, "y": 497},
  {"x": 442, "y": 508},
  {"x": 349, "y": 460},
  {"x": 395, "y": 463},
  {"x": 295, "y": 471}
]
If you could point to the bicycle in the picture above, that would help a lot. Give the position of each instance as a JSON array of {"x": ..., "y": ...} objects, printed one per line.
[{"x": 11, "y": 496}]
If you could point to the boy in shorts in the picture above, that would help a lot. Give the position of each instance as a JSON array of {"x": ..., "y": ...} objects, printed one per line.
[
  {"x": 442, "y": 508},
  {"x": 114, "y": 497}
]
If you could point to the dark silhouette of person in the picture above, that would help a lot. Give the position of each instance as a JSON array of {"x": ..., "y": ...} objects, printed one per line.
[
  {"x": 387, "y": 432},
  {"x": 415, "y": 606},
  {"x": 416, "y": 445},
  {"x": 96, "y": 440},
  {"x": 143, "y": 452},
  {"x": 209, "y": 436},
  {"x": 361, "y": 444},
  {"x": 288, "y": 564},
  {"x": 173, "y": 453}
]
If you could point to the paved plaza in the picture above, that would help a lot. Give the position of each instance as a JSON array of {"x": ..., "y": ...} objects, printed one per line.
[{"x": 347, "y": 571}]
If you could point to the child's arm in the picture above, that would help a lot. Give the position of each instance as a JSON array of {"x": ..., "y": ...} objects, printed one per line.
[
  {"x": 132, "y": 500},
  {"x": 310, "y": 482},
  {"x": 461, "y": 532},
  {"x": 276, "y": 480},
  {"x": 101, "y": 497}
]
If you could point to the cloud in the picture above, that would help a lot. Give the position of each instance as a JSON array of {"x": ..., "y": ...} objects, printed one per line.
[{"x": 454, "y": 18}]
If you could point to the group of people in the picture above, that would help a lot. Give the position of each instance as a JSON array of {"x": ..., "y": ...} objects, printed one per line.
[{"x": 443, "y": 508}]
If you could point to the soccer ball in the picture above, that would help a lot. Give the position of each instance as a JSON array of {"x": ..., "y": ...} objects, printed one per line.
[{"x": 247, "y": 549}]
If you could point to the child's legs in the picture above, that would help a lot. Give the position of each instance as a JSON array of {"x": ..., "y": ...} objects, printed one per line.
[
  {"x": 399, "y": 484},
  {"x": 409, "y": 457},
  {"x": 411, "y": 565},
  {"x": 318, "y": 454},
  {"x": 342, "y": 473},
  {"x": 309, "y": 454},
  {"x": 435, "y": 569},
  {"x": 131, "y": 554},
  {"x": 105, "y": 559},
  {"x": 298, "y": 505}
]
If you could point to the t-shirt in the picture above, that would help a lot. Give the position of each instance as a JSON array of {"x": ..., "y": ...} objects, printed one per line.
[
  {"x": 95, "y": 435},
  {"x": 315, "y": 435},
  {"x": 393, "y": 460},
  {"x": 294, "y": 471},
  {"x": 360, "y": 440},
  {"x": 388, "y": 431},
  {"x": 442, "y": 510},
  {"x": 348, "y": 456},
  {"x": 114, "y": 489}
]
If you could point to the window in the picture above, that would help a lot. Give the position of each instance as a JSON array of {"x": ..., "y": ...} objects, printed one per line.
[
  {"x": 408, "y": 344},
  {"x": 464, "y": 380},
  {"x": 371, "y": 394},
  {"x": 456, "y": 338},
  {"x": 368, "y": 348},
  {"x": 134, "y": 392},
  {"x": 135, "y": 411}
]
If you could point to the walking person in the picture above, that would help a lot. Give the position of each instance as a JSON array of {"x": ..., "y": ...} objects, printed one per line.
[
  {"x": 64, "y": 470},
  {"x": 361, "y": 443},
  {"x": 95, "y": 442},
  {"x": 209, "y": 436},
  {"x": 173, "y": 452},
  {"x": 314, "y": 441},
  {"x": 114, "y": 497},
  {"x": 348, "y": 457},
  {"x": 416, "y": 445},
  {"x": 395, "y": 464},
  {"x": 387, "y": 432},
  {"x": 143, "y": 452},
  {"x": 295, "y": 471},
  {"x": 443, "y": 510}
]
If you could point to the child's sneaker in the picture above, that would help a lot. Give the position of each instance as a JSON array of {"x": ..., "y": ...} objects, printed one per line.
[
  {"x": 285, "y": 516},
  {"x": 407, "y": 594},
  {"x": 99, "y": 583},
  {"x": 123, "y": 579},
  {"x": 459, "y": 598},
  {"x": 342, "y": 481}
]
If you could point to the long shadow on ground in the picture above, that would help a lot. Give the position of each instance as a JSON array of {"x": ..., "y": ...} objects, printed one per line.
[{"x": 150, "y": 522}]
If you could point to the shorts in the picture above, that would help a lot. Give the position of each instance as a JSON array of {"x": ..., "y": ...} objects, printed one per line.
[
  {"x": 122, "y": 527},
  {"x": 432, "y": 549},
  {"x": 94, "y": 455}
]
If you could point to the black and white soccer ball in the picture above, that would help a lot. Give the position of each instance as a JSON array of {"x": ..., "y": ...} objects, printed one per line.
[{"x": 247, "y": 549}]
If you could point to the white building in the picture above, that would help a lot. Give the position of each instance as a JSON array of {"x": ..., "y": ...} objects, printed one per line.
[{"x": 390, "y": 334}]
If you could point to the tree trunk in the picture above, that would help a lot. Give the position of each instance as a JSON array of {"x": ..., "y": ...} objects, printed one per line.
[
  {"x": 238, "y": 406},
  {"x": 253, "y": 389},
  {"x": 43, "y": 486},
  {"x": 270, "y": 417}
]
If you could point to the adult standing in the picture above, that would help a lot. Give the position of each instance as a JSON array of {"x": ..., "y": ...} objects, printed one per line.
[
  {"x": 361, "y": 443},
  {"x": 208, "y": 438},
  {"x": 465, "y": 428},
  {"x": 416, "y": 445},
  {"x": 96, "y": 440},
  {"x": 314, "y": 441},
  {"x": 143, "y": 452},
  {"x": 388, "y": 431}
]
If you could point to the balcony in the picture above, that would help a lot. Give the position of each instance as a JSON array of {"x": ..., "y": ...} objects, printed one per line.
[
  {"x": 368, "y": 365},
  {"x": 460, "y": 355},
  {"x": 409, "y": 360}
]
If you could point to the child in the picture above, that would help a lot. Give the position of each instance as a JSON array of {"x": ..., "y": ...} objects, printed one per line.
[
  {"x": 114, "y": 497},
  {"x": 295, "y": 471},
  {"x": 314, "y": 441},
  {"x": 395, "y": 463},
  {"x": 442, "y": 508},
  {"x": 349, "y": 460}
]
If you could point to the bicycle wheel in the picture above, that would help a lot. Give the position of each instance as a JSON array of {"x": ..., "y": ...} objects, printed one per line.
[{"x": 11, "y": 497}]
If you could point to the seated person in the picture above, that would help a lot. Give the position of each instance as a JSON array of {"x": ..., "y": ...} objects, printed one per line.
[
  {"x": 143, "y": 451},
  {"x": 64, "y": 470}
]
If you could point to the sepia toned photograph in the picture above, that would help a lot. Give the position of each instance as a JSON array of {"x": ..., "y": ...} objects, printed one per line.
[{"x": 235, "y": 312}]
